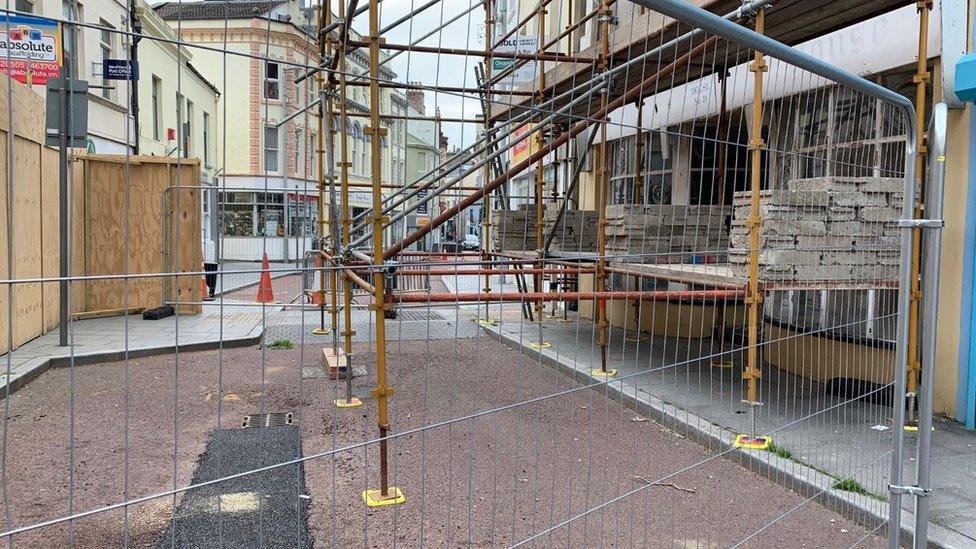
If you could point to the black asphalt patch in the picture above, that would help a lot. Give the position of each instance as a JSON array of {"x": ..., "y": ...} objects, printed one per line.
[{"x": 258, "y": 510}]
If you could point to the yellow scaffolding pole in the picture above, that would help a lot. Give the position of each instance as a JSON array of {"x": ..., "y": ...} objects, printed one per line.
[
  {"x": 325, "y": 48},
  {"x": 540, "y": 172},
  {"x": 921, "y": 79},
  {"x": 486, "y": 202},
  {"x": 385, "y": 494},
  {"x": 602, "y": 180},
  {"x": 754, "y": 296}
]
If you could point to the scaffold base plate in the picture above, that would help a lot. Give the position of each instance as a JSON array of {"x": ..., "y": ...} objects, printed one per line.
[
  {"x": 486, "y": 322},
  {"x": 543, "y": 345},
  {"x": 596, "y": 372},
  {"x": 321, "y": 331},
  {"x": 752, "y": 442},
  {"x": 724, "y": 364},
  {"x": 375, "y": 498},
  {"x": 635, "y": 339},
  {"x": 351, "y": 403}
]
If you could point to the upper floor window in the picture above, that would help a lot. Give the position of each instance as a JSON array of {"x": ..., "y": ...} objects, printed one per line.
[{"x": 272, "y": 80}]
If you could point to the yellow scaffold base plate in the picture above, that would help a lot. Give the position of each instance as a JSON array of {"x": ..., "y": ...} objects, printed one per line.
[
  {"x": 486, "y": 322},
  {"x": 635, "y": 339},
  {"x": 752, "y": 442},
  {"x": 351, "y": 403},
  {"x": 724, "y": 364},
  {"x": 912, "y": 428},
  {"x": 375, "y": 498},
  {"x": 543, "y": 345},
  {"x": 321, "y": 331},
  {"x": 600, "y": 373}
]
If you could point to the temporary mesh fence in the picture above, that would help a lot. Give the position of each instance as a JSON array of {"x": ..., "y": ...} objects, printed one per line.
[{"x": 679, "y": 318}]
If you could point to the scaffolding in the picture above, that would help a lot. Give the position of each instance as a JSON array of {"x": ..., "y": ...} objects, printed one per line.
[{"x": 783, "y": 286}]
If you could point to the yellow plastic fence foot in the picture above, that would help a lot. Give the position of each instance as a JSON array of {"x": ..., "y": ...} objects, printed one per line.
[
  {"x": 321, "y": 331},
  {"x": 752, "y": 442},
  {"x": 596, "y": 372},
  {"x": 351, "y": 403},
  {"x": 376, "y": 498},
  {"x": 542, "y": 345}
]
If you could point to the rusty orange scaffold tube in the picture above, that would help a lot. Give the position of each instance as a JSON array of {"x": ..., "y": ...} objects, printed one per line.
[
  {"x": 703, "y": 295},
  {"x": 469, "y": 272}
]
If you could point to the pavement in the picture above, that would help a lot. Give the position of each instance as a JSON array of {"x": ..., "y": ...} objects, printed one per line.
[
  {"x": 111, "y": 338},
  {"x": 846, "y": 439}
]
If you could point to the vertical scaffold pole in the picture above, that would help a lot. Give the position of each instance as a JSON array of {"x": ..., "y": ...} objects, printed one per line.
[
  {"x": 602, "y": 180},
  {"x": 344, "y": 165},
  {"x": 754, "y": 298},
  {"x": 921, "y": 79},
  {"x": 386, "y": 494},
  {"x": 537, "y": 280},
  {"x": 324, "y": 18},
  {"x": 486, "y": 203}
]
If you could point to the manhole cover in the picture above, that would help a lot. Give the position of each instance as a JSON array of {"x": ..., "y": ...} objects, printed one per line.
[{"x": 274, "y": 419}]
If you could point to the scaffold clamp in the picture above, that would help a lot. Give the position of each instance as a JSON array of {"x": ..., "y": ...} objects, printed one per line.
[
  {"x": 910, "y": 490},
  {"x": 921, "y": 223}
]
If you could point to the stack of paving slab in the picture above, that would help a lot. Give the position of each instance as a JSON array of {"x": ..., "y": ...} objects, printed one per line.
[
  {"x": 577, "y": 230},
  {"x": 514, "y": 230},
  {"x": 663, "y": 233},
  {"x": 822, "y": 229}
]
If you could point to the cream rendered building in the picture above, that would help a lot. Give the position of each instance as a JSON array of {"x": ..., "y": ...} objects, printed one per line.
[{"x": 269, "y": 172}]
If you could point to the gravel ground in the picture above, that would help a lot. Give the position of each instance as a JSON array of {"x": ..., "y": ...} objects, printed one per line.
[{"x": 490, "y": 480}]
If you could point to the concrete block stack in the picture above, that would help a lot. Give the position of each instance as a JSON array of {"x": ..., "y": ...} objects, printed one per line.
[
  {"x": 514, "y": 230},
  {"x": 577, "y": 230},
  {"x": 667, "y": 233},
  {"x": 822, "y": 229}
]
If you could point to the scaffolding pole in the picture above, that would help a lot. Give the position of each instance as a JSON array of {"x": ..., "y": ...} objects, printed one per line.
[
  {"x": 751, "y": 373},
  {"x": 921, "y": 79},
  {"x": 385, "y": 494}
]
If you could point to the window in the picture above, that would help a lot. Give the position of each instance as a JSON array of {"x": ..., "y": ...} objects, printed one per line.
[
  {"x": 25, "y": 6},
  {"x": 206, "y": 138},
  {"x": 298, "y": 153},
  {"x": 272, "y": 83},
  {"x": 106, "y": 38},
  {"x": 356, "y": 132},
  {"x": 188, "y": 128},
  {"x": 655, "y": 170},
  {"x": 270, "y": 149},
  {"x": 156, "y": 107},
  {"x": 179, "y": 125},
  {"x": 70, "y": 53}
]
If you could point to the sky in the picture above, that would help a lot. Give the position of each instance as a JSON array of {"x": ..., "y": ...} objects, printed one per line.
[{"x": 443, "y": 70}]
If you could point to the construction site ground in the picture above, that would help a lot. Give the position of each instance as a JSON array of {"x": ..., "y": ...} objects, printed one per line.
[
  {"x": 486, "y": 480},
  {"x": 581, "y": 433}
]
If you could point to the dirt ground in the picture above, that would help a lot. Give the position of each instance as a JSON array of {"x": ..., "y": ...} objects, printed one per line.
[{"x": 490, "y": 480}]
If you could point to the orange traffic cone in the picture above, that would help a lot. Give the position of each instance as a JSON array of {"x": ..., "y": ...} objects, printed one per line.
[
  {"x": 265, "y": 293},
  {"x": 204, "y": 290}
]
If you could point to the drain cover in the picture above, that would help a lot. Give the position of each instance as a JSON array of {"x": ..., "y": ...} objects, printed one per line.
[{"x": 274, "y": 419}]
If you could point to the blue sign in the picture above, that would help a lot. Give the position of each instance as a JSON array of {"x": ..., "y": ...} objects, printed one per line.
[{"x": 120, "y": 69}]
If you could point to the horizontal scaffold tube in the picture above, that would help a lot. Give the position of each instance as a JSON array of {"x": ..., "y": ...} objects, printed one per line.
[
  {"x": 700, "y": 295},
  {"x": 469, "y": 272}
]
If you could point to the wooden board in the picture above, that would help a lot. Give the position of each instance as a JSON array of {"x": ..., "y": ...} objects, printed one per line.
[
  {"x": 50, "y": 235},
  {"x": 26, "y": 242}
]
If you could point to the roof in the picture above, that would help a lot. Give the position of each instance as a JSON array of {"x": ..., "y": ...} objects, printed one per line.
[{"x": 210, "y": 9}]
